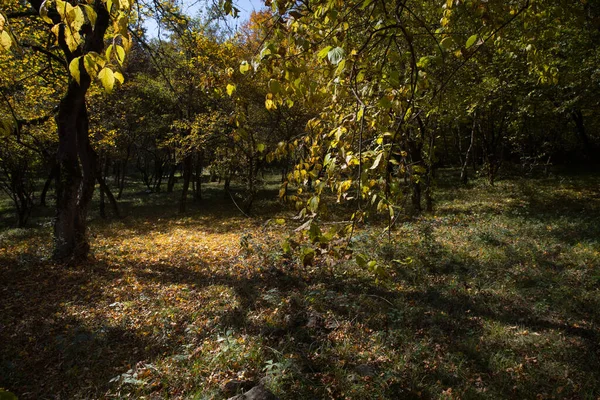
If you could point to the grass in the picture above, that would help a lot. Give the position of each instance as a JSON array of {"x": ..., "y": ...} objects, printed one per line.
[{"x": 495, "y": 295}]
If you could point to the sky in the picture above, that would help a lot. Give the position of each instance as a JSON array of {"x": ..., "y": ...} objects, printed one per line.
[{"x": 191, "y": 7}]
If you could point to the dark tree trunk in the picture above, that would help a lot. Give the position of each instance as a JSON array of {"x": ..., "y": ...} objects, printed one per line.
[
  {"x": 464, "y": 178},
  {"x": 199, "y": 165},
  {"x": 227, "y": 186},
  {"x": 187, "y": 173},
  {"x": 171, "y": 182},
  {"x": 111, "y": 199},
  {"x": 76, "y": 159},
  {"x": 123, "y": 171},
  {"x": 158, "y": 173},
  {"x": 51, "y": 177},
  {"x": 581, "y": 132},
  {"x": 102, "y": 205},
  {"x": 71, "y": 205}
]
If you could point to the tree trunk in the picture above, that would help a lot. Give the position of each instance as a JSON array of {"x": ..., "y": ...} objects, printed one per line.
[
  {"x": 102, "y": 204},
  {"x": 199, "y": 162},
  {"x": 158, "y": 173},
  {"x": 111, "y": 199},
  {"x": 76, "y": 159},
  {"x": 187, "y": 172},
  {"x": 171, "y": 182},
  {"x": 123, "y": 170},
  {"x": 463, "y": 172},
  {"x": 581, "y": 132},
  {"x": 51, "y": 177},
  {"x": 69, "y": 229}
]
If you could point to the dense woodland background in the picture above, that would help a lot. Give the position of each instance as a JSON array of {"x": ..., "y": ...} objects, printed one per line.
[{"x": 341, "y": 199}]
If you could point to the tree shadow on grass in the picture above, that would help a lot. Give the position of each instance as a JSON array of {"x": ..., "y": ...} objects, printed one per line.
[{"x": 48, "y": 348}]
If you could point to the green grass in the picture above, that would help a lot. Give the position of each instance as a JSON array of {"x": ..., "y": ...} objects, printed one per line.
[{"x": 494, "y": 295}]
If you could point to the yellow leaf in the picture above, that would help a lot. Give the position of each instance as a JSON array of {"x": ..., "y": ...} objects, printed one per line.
[
  {"x": 44, "y": 12},
  {"x": 5, "y": 40},
  {"x": 359, "y": 115},
  {"x": 119, "y": 77},
  {"x": 90, "y": 65},
  {"x": 74, "y": 69},
  {"x": 72, "y": 38},
  {"x": 76, "y": 18},
  {"x": 270, "y": 104},
  {"x": 108, "y": 52},
  {"x": 230, "y": 89},
  {"x": 120, "y": 54},
  {"x": 244, "y": 67},
  {"x": 63, "y": 8},
  {"x": 90, "y": 13},
  {"x": 107, "y": 78}
]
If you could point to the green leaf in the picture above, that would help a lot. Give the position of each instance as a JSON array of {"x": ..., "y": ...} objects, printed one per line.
[
  {"x": 274, "y": 86},
  {"x": 308, "y": 256},
  {"x": 471, "y": 41},
  {"x": 313, "y": 204},
  {"x": 314, "y": 233},
  {"x": 230, "y": 89},
  {"x": 74, "y": 70},
  {"x": 447, "y": 43},
  {"x": 324, "y": 52},
  {"x": 261, "y": 147},
  {"x": 107, "y": 77},
  {"x": 340, "y": 68},
  {"x": 361, "y": 260},
  {"x": 336, "y": 55},
  {"x": 286, "y": 247},
  {"x": 384, "y": 102},
  {"x": 5, "y": 395}
]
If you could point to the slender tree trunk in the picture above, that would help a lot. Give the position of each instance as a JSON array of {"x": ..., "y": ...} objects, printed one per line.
[
  {"x": 51, "y": 177},
  {"x": 463, "y": 172},
  {"x": 158, "y": 173},
  {"x": 582, "y": 133},
  {"x": 102, "y": 205},
  {"x": 123, "y": 171},
  {"x": 111, "y": 198},
  {"x": 171, "y": 182},
  {"x": 199, "y": 166},
  {"x": 187, "y": 172}
]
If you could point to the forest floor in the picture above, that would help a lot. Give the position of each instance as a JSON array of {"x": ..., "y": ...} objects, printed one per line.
[{"x": 494, "y": 295}]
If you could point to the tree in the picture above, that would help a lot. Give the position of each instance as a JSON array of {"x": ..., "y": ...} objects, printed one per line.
[{"x": 79, "y": 30}]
